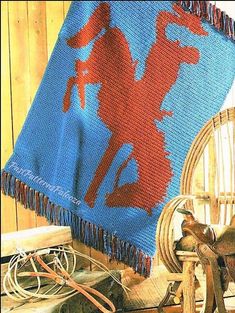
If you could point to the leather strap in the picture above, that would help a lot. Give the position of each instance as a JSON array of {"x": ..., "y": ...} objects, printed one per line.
[{"x": 63, "y": 278}]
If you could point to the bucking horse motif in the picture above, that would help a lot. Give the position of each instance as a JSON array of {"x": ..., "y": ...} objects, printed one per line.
[{"x": 130, "y": 107}]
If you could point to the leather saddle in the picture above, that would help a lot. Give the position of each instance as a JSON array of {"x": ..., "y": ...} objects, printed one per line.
[{"x": 216, "y": 253}]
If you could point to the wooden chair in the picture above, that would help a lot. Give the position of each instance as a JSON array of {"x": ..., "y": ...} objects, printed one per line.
[{"x": 208, "y": 189}]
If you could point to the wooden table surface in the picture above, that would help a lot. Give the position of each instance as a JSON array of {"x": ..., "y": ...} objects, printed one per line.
[{"x": 230, "y": 306}]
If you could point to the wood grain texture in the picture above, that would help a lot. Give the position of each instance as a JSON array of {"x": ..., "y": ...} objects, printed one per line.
[
  {"x": 8, "y": 215},
  {"x": 30, "y": 240},
  {"x": 20, "y": 84},
  {"x": 189, "y": 287},
  {"x": 37, "y": 30},
  {"x": 27, "y": 43},
  {"x": 54, "y": 20},
  {"x": 6, "y": 125},
  {"x": 19, "y": 55},
  {"x": 35, "y": 238}
]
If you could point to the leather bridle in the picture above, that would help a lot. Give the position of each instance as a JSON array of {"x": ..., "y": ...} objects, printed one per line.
[{"x": 61, "y": 274}]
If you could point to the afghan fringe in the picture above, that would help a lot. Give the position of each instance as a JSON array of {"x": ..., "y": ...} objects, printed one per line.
[
  {"x": 87, "y": 233},
  {"x": 208, "y": 11}
]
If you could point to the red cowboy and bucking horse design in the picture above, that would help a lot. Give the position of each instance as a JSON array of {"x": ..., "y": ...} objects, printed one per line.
[{"x": 130, "y": 107}]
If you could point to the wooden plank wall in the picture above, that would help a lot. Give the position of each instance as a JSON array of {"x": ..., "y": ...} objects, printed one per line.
[{"x": 28, "y": 34}]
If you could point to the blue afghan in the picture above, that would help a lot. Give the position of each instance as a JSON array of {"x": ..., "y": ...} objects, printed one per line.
[{"x": 128, "y": 87}]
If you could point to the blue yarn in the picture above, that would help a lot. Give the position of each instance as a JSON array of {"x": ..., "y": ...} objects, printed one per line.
[{"x": 64, "y": 149}]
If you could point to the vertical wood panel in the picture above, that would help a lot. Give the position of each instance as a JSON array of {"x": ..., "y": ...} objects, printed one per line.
[
  {"x": 54, "y": 19},
  {"x": 6, "y": 128},
  {"x": 19, "y": 54},
  {"x": 8, "y": 215},
  {"x": 33, "y": 30},
  {"x": 37, "y": 43},
  {"x": 66, "y": 7}
]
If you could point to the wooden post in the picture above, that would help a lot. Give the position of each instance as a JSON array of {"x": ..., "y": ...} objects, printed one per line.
[{"x": 189, "y": 305}]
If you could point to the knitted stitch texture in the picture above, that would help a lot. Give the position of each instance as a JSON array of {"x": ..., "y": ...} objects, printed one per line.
[{"x": 128, "y": 86}]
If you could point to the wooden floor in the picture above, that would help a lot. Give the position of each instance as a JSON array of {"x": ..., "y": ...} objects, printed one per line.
[{"x": 230, "y": 306}]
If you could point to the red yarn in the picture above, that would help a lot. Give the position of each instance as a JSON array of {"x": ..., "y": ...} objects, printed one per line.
[{"x": 129, "y": 107}]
